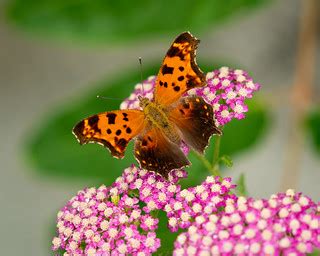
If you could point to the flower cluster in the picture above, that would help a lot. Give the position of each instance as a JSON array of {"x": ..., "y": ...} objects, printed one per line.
[
  {"x": 113, "y": 220},
  {"x": 95, "y": 222},
  {"x": 285, "y": 224},
  {"x": 151, "y": 188},
  {"x": 119, "y": 219},
  {"x": 226, "y": 91},
  {"x": 196, "y": 202},
  {"x": 181, "y": 206}
]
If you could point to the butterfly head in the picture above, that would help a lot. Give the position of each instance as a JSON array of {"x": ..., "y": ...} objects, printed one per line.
[{"x": 144, "y": 102}]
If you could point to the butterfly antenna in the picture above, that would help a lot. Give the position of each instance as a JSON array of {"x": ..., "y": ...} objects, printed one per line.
[
  {"x": 107, "y": 98},
  {"x": 140, "y": 62}
]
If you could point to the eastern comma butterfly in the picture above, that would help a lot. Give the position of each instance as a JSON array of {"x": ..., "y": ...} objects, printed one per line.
[{"x": 162, "y": 123}]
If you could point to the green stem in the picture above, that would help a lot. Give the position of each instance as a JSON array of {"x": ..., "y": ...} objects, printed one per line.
[
  {"x": 216, "y": 152},
  {"x": 154, "y": 213},
  {"x": 206, "y": 163},
  {"x": 215, "y": 171},
  {"x": 204, "y": 160}
]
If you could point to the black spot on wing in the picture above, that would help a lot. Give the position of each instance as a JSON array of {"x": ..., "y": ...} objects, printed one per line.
[
  {"x": 177, "y": 88},
  {"x": 180, "y": 78},
  {"x": 109, "y": 131},
  {"x": 93, "y": 120},
  {"x": 191, "y": 82},
  {"x": 128, "y": 130},
  {"x": 175, "y": 51},
  {"x": 167, "y": 70},
  {"x": 125, "y": 117},
  {"x": 118, "y": 132},
  {"x": 93, "y": 123},
  {"x": 111, "y": 118}
]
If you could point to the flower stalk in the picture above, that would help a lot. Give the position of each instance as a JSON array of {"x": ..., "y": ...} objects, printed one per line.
[{"x": 216, "y": 156}]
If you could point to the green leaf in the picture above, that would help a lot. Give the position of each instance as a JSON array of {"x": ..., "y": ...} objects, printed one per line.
[
  {"x": 239, "y": 135},
  {"x": 241, "y": 186},
  {"x": 313, "y": 126},
  {"x": 107, "y": 20},
  {"x": 314, "y": 253},
  {"x": 226, "y": 160}
]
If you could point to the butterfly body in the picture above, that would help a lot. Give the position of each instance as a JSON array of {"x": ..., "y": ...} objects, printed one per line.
[
  {"x": 157, "y": 116},
  {"x": 162, "y": 123}
]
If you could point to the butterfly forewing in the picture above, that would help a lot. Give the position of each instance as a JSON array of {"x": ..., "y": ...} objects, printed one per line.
[
  {"x": 112, "y": 129},
  {"x": 179, "y": 71},
  {"x": 194, "y": 118}
]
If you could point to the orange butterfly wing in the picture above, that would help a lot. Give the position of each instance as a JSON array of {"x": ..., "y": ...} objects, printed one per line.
[
  {"x": 195, "y": 120},
  {"x": 112, "y": 129},
  {"x": 156, "y": 153},
  {"x": 179, "y": 71}
]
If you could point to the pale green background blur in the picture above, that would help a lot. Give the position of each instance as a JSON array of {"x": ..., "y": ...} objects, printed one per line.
[{"x": 37, "y": 75}]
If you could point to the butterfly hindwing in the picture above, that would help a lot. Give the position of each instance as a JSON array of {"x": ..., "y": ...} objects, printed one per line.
[
  {"x": 179, "y": 71},
  {"x": 195, "y": 120},
  {"x": 156, "y": 153},
  {"x": 112, "y": 129}
]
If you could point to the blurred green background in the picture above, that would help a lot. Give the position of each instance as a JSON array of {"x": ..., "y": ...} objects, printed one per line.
[{"x": 56, "y": 56}]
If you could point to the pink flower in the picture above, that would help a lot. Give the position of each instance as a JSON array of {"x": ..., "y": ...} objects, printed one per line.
[
  {"x": 151, "y": 188},
  {"x": 224, "y": 115},
  {"x": 239, "y": 108},
  {"x": 286, "y": 224},
  {"x": 112, "y": 220},
  {"x": 195, "y": 202}
]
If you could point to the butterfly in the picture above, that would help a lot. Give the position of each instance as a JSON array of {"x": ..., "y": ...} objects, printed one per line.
[{"x": 163, "y": 123}]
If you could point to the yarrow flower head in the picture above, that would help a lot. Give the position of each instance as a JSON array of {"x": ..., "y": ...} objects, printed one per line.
[
  {"x": 119, "y": 220},
  {"x": 286, "y": 224},
  {"x": 194, "y": 203},
  {"x": 112, "y": 220},
  {"x": 151, "y": 188},
  {"x": 226, "y": 91},
  {"x": 95, "y": 222}
]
